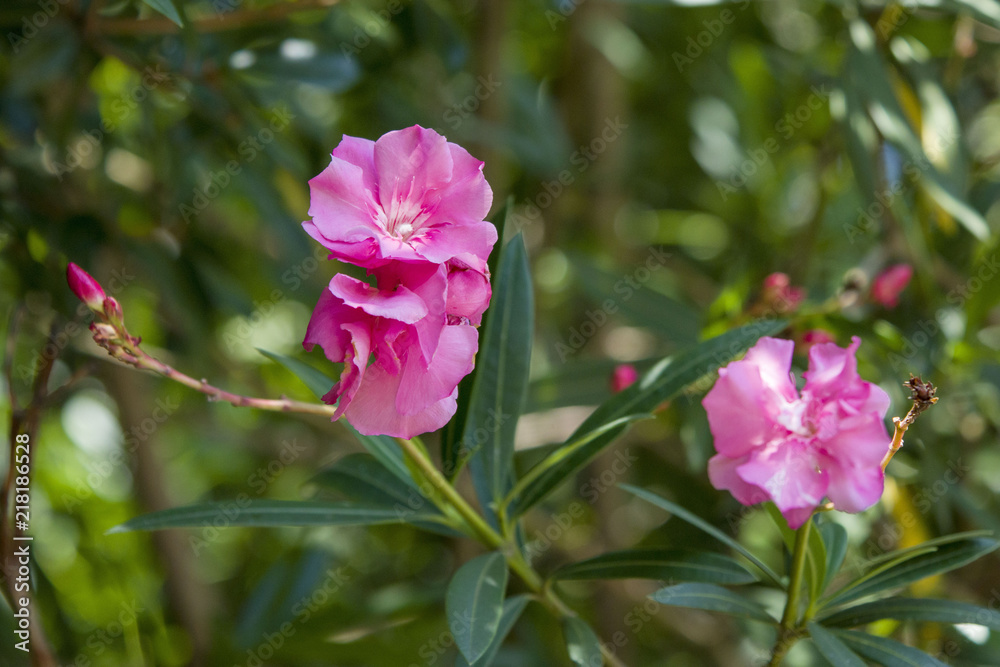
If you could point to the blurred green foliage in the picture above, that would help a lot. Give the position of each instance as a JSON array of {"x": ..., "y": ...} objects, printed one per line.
[{"x": 662, "y": 158}]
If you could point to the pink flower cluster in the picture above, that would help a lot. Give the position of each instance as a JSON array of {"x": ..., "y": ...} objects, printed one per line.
[
  {"x": 775, "y": 443},
  {"x": 409, "y": 208}
]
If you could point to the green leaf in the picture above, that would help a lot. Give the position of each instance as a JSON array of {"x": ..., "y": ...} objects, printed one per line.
[
  {"x": 502, "y": 375},
  {"x": 582, "y": 643},
  {"x": 830, "y": 647},
  {"x": 524, "y": 485},
  {"x": 382, "y": 447},
  {"x": 835, "y": 538},
  {"x": 452, "y": 433},
  {"x": 512, "y": 608},
  {"x": 360, "y": 477},
  {"x": 474, "y": 603},
  {"x": 703, "y": 525},
  {"x": 661, "y": 564},
  {"x": 891, "y": 557},
  {"x": 914, "y": 609},
  {"x": 270, "y": 513},
  {"x": 663, "y": 382},
  {"x": 712, "y": 598},
  {"x": 943, "y": 558},
  {"x": 815, "y": 563},
  {"x": 167, "y": 8},
  {"x": 886, "y": 652},
  {"x": 644, "y": 307}
]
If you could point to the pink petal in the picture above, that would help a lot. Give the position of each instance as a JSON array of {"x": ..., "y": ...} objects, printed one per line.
[
  {"x": 423, "y": 384},
  {"x": 736, "y": 413},
  {"x": 440, "y": 243},
  {"x": 341, "y": 206},
  {"x": 789, "y": 472},
  {"x": 773, "y": 358},
  {"x": 373, "y": 412},
  {"x": 831, "y": 368},
  {"x": 467, "y": 197},
  {"x": 469, "y": 291},
  {"x": 397, "y": 303},
  {"x": 430, "y": 283},
  {"x": 723, "y": 476},
  {"x": 623, "y": 377},
  {"x": 409, "y": 162}
]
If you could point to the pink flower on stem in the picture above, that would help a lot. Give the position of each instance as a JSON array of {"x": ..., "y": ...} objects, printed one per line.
[
  {"x": 779, "y": 294},
  {"x": 889, "y": 284},
  {"x": 623, "y": 376},
  {"x": 85, "y": 287},
  {"x": 411, "y": 195},
  {"x": 775, "y": 443}
]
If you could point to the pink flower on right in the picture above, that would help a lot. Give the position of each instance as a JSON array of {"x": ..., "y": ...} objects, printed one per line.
[{"x": 795, "y": 449}]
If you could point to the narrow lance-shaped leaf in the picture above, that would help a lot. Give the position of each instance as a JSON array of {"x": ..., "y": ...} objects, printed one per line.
[
  {"x": 914, "y": 609},
  {"x": 660, "y": 564},
  {"x": 663, "y": 382},
  {"x": 582, "y": 643},
  {"x": 835, "y": 539},
  {"x": 167, "y": 8},
  {"x": 830, "y": 647},
  {"x": 474, "y": 603},
  {"x": 886, "y": 652},
  {"x": 501, "y": 380},
  {"x": 712, "y": 598},
  {"x": 704, "y": 526},
  {"x": 270, "y": 513},
  {"x": 944, "y": 558}
]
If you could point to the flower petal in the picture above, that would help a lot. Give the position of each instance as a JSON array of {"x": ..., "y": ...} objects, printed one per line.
[
  {"x": 736, "y": 413},
  {"x": 723, "y": 476},
  {"x": 421, "y": 385},
  {"x": 397, "y": 303},
  {"x": 791, "y": 475}
]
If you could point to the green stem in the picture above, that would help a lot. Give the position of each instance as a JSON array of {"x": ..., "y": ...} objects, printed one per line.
[
  {"x": 787, "y": 633},
  {"x": 491, "y": 538}
]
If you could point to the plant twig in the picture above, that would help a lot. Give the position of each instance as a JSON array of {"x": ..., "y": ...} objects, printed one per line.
[{"x": 923, "y": 395}]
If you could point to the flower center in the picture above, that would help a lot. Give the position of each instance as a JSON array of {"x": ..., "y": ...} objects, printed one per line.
[
  {"x": 402, "y": 216},
  {"x": 793, "y": 416}
]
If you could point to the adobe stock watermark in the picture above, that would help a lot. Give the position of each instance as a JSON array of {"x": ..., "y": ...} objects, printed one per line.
[
  {"x": 624, "y": 289},
  {"x": 485, "y": 87},
  {"x": 696, "y": 46},
  {"x": 33, "y": 24},
  {"x": 580, "y": 161},
  {"x": 784, "y": 128},
  {"x": 248, "y": 150},
  {"x": 121, "y": 108},
  {"x": 101, "y": 639}
]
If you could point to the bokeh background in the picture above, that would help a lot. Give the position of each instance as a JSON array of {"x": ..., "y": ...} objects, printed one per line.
[{"x": 661, "y": 157}]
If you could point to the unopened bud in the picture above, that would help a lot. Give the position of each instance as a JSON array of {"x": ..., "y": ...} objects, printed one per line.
[{"x": 85, "y": 287}]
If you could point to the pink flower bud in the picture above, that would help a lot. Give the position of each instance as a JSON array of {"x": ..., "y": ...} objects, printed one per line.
[
  {"x": 779, "y": 295},
  {"x": 623, "y": 376},
  {"x": 889, "y": 284},
  {"x": 85, "y": 287},
  {"x": 113, "y": 310},
  {"x": 814, "y": 337}
]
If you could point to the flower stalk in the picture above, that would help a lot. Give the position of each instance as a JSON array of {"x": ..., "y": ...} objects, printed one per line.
[
  {"x": 923, "y": 395},
  {"x": 788, "y": 631}
]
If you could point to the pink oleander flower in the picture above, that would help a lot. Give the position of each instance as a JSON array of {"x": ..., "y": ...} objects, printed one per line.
[
  {"x": 889, "y": 284},
  {"x": 623, "y": 376},
  {"x": 775, "y": 443},
  {"x": 779, "y": 294},
  {"x": 85, "y": 287},
  {"x": 419, "y": 337},
  {"x": 411, "y": 195}
]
